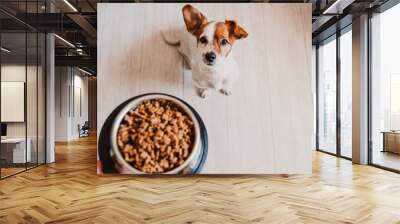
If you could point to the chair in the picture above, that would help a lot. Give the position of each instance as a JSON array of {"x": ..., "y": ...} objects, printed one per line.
[{"x": 84, "y": 129}]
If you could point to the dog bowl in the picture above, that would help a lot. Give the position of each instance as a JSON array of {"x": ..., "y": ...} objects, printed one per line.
[{"x": 190, "y": 163}]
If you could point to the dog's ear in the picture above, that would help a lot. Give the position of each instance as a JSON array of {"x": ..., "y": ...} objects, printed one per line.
[
  {"x": 194, "y": 20},
  {"x": 235, "y": 31}
]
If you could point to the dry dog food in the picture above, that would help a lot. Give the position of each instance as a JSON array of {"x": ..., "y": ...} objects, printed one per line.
[{"x": 156, "y": 136}]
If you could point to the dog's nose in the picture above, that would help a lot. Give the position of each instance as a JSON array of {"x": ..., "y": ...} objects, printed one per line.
[{"x": 210, "y": 56}]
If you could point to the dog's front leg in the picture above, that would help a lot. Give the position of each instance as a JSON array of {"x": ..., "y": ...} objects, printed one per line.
[
  {"x": 228, "y": 83},
  {"x": 203, "y": 92},
  {"x": 226, "y": 88},
  {"x": 203, "y": 89},
  {"x": 226, "y": 91}
]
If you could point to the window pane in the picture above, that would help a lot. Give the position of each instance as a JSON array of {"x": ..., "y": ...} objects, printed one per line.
[
  {"x": 346, "y": 93},
  {"x": 14, "y": 153},
  {"x": 31, "y": 100},
  {"x": 327, "y": 97},
  {"x": 313, "y": 80},
  {"x": 386, "y": 89}
]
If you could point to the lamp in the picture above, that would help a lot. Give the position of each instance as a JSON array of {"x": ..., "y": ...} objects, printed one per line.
[
  {"x": 65, "y": 41},
  {"x": 70, "y": 5},
  {"x": 5, "y": 50}
]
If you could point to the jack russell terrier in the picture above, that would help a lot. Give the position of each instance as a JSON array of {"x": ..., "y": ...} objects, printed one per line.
[{"x": 206, "y": 47}]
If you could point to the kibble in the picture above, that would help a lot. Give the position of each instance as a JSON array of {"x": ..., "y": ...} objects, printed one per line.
[{"x": 156, "y": 136}]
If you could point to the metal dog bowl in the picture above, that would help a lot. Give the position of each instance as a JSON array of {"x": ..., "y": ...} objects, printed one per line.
[{"x": 199, "y": 147}]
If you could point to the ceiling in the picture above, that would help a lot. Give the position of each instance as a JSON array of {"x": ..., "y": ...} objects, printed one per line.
[{"x": 76, "y": 22}]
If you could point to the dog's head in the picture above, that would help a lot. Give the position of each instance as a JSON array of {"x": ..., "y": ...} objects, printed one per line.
[{"x": 214, "y": 39}]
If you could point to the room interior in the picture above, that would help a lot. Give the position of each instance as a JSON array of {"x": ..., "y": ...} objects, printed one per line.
[
  {"x": 22, "y": 102},
  {"x": 49, "y": 123}
]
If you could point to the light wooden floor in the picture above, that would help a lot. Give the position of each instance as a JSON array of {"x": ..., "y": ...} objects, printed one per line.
[
  {"x": 387, "y": 159},
  {"x": 10, "y": 171},
  {"x": 5, "y": 172},
  {"x": 69, "y": 191}
]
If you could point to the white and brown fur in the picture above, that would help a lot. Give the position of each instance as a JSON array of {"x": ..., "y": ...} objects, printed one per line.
[{"x": 206, "y": 47}]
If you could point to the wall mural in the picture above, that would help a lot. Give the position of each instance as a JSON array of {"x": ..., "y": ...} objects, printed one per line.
[{"x": 204, "y": 88}]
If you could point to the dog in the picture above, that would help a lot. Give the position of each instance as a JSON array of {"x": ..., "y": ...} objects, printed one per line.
[{"x": 206, "y": 47}]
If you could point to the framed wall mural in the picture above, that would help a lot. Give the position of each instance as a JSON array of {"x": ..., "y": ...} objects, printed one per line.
[{"x": 204, "y": 88}]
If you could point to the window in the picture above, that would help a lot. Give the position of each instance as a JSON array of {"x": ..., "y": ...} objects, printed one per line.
[
  {"x": 385, "y": 89},
  {"x": 327, "y": 96},
  {"x": 346, "y": 93},
  {"x": 22, "y": 77},
  {"x": 395, "y": 101},
  {"x": 335, "y": 74}
]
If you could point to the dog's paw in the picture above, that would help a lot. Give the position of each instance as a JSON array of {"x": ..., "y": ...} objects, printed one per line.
[
  {"x": 204, "y": 93},
  {"x": 226, "y": 91}
]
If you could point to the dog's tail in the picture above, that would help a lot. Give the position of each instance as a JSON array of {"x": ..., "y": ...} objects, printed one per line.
[{"x": 170, "y": 42}]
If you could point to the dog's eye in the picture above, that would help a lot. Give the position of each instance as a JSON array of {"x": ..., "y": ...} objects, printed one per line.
[
  {"x": 203, "y": 40},
  {"x": 224, "y": 42}
]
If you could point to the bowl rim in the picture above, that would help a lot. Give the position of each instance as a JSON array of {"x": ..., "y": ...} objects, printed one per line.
[{"x": 133, "y": 104}]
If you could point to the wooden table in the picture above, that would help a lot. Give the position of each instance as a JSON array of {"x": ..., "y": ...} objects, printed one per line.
[
  {"x": 391, "y": 141},
  {"x": 13, "y": 150}
]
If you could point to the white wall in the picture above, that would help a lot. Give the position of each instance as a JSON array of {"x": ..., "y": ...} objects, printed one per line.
[
  {"x": 77, "y": 117},
  {"x": 33, "y": 127},
  {"x": 12, "y": 73},
  {"x": 16, "y": 73},
  {"x": 69, "y": 79},
  {"x": 62, "y": 81}
]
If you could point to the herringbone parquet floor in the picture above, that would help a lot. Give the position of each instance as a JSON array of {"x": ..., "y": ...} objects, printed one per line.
[{"x": 69, "y": 191}]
